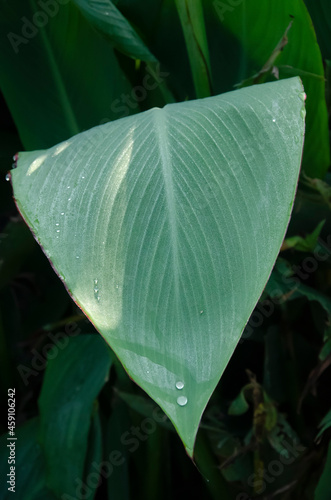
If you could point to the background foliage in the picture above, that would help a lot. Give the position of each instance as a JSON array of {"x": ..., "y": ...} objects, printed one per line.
[{"x": 85, "y": 430}]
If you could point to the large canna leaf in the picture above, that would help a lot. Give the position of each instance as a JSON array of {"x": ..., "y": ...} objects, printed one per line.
[{"x": 164, "y": 227}]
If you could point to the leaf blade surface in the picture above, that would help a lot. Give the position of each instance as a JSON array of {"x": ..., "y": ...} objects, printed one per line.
[{"x": 165, "y": 226}]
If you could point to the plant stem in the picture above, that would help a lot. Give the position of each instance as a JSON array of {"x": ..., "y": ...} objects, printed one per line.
[{"x": 193, "y": 25}]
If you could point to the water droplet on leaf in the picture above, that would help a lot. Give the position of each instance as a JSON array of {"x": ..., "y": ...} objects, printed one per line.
[
  {"x": 179, "y": 385},
  {"x": 96, "y": 290},
  {"x": 8, "y": 177},
  {"x": 182, "y": 400}
]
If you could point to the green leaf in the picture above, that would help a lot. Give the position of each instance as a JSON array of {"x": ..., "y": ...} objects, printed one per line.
[
  {"x": 238, "y": 470},
  {"x": 72, "y": 381},
  {"x": 281, "y": 433},
  {"x": 93, "y": 456},
  {"x": 16, "y": 245},
  {"x": 323, "y": 489},
  {"x": 145, "y": 407},
  {"x": 269, "y": 68},
  {"x": 301, "y": 56},
  {"x": 165, "y": 226},
  {"x": 321, "y": 187},
  {"x": 306, "y": 244},
  {"x": 117, "y": 454},
  {"x": 207, "y": 465},
  {"x": 283, "y": 285},
  {"x": 324, "y": 424},
  {"x": 108, "y": 19},
  {"x": 239, "y": 405},
  {"x": 320, "y": 11},
  {"x": 29, "y": 464},
  {"x": 160, "y": 23},
  {"x": 192, "y": 21},
  {"x": 71, "y": 76}
]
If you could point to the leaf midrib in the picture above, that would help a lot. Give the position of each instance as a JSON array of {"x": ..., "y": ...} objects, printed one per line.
[{"x": 166, "y": 164}]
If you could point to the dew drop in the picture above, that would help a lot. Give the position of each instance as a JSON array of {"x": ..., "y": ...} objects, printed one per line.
[
  {"x": 68, "y": 187},
  {"x": 302, "y": 95},
  {"x": 57, "y": 224},
  {"x": 182, "y": 400},
  {"x": 8, "y": 177},
  {"x": 58, "y": 230},
  {"x": 62, "y": 213},
  {"x": 96, "y": 290},
  {"x": 69, "y": 199},
  {"x": 179, "y": 385},
  {"x": 83, "y": 176},
  {"x": 77, "y": 256},
  {"x": 274, "y": 120}
]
